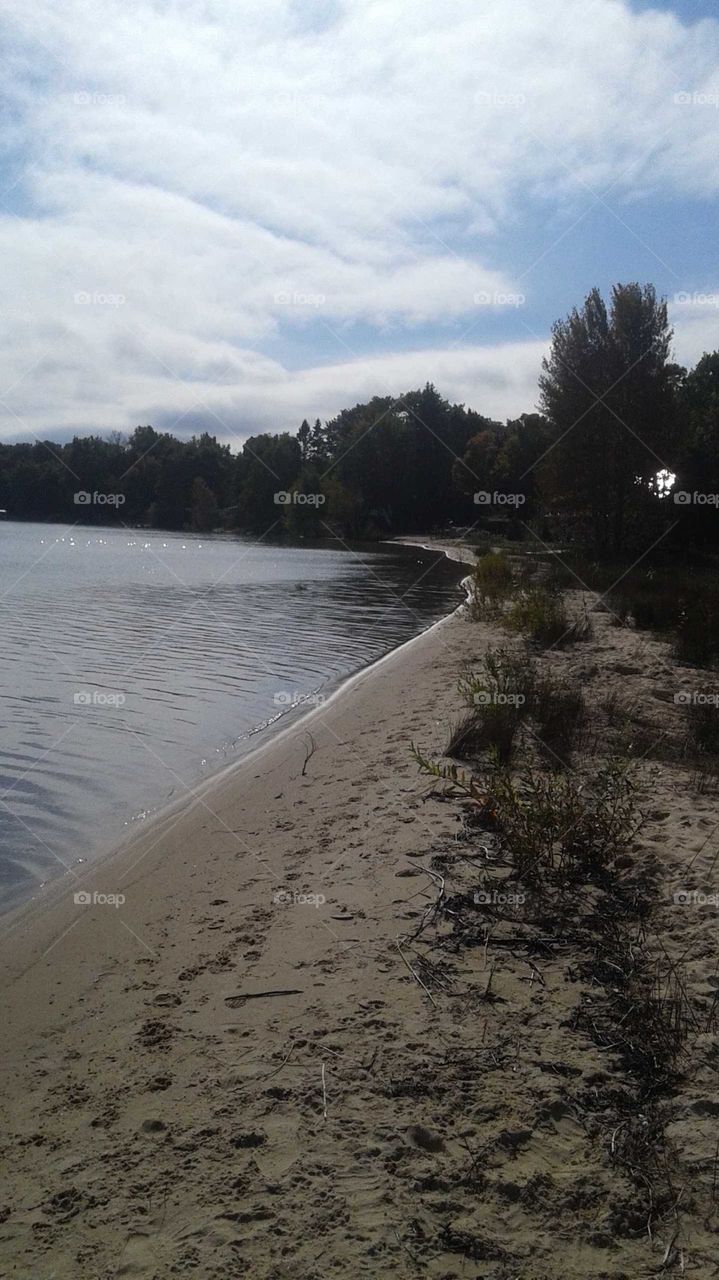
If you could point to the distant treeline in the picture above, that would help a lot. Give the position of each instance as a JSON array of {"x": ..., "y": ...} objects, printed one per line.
[{"x": 617, "y": 419}]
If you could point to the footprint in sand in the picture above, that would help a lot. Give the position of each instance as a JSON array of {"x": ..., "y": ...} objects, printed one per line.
[
  {"x": 167, "y": 999},
  {"x": 158, "y": 1084}
]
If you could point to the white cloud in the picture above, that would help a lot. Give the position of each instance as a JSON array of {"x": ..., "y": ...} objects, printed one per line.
[
  {"x": 695, "y": 317},
  {"x": 205, "y": 162}
]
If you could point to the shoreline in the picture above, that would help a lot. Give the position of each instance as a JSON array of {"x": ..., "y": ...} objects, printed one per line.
[
  {"x": 127, "y": 1027},
  {"x": 139, "y": 829},
  {"x": 238, "y": 1071}
]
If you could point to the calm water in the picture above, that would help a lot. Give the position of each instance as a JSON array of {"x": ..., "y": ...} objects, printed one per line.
[{"x": 135, "y": 664}]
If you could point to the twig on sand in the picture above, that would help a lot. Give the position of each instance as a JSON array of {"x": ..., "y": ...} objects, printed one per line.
[
  {"x": 241, "y": 996},
  {"x": 373, "y": 1059},
  {"x": 669, "y": 1254},
  {"x": 433, "y": 907},
  {"x": 487, "y": 994},
  {"x": 324, "y": 1094},
  {"x": 269, "y": 1074},
  {"x": 309, "y": 752},
  {"x": 415, "y": 975},
  {"x": 407, "y": 1250}
]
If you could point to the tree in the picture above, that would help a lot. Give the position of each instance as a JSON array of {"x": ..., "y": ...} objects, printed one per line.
[
  {"x": 269, "y": 467},
  {"x": 698, "y": 459},
  {"x": 204, "y": 511},
  {"x": 317, "y": 446},
  {"x": 608, "y": 391},
  {"x": 306, "y": 514},
  {"x": 477, "y": 468},
  {"x": 699, "y": 401},
  {"x": 303, "y": 435}
]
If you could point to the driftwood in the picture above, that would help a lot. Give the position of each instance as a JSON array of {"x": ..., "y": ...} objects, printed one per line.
[{"x": 261, "y": 995}]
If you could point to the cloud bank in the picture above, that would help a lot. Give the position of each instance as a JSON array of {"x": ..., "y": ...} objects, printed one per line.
[{"x": 238, "y": 215}]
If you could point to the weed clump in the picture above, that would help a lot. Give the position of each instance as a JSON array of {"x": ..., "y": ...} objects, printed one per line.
[
  {"x": 499, "y": 697},
  {"x": 555, "y": 827},
  {"x": 492, "y": 582},
  {"x": 542, "y": 617},
  {"x": 560, "y": 717},
  {"x": 703, "y": 728}
]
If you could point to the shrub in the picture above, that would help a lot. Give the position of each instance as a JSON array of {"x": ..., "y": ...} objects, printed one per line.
[
  {"x": 703, "y": 727},
  {"x": 555, "y": 827},
  {"x": 666, "y": 601},
  {"x": 559, "y": 712},
  {"x": 558, "y": 577},
  {"x": 492, "y": 581},
  {"x": 615, "y": 709},
  {"x": 469, "y": 737},
  {"x": 481, "y": 543},
  {"x": 503, "y": 675},
  {"x": 651, "y": 601},
  {"x": 498, "y": 697},
  {"x": 541, "y": 616}
]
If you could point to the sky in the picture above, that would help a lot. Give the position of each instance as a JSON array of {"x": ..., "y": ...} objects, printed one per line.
[{"x": 229, "y": 215}]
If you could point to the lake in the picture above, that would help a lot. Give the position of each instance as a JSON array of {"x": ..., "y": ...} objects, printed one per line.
[{"x": 136, "y": 663}]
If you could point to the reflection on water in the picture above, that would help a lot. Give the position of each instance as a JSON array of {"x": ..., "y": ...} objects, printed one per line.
[{"x": 134, "y": 664}]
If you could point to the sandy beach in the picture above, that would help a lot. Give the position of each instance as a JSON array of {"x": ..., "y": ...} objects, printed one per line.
[{"x": 235, "y": 1071}]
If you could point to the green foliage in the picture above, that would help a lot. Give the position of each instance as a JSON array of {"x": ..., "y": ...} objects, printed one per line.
[
  {"x": 559, "y": 712},
  {"x": 540, "y": 616},
  {"x": 268, "y": 467},
  {"x": 306, "y": 514},
  {"x": 505, "y": 693},
  {"x": 610, "y": 395},
  {"x": 682, "y": 603},
  {"x": 492, "y": 582},
  {"x": 584, "y": 470},
  {"x": 503, "y": 675},
  {"x": 504, "y": 459},
  {"x": 555, "y": 826},
  {"x": 454, "y": 780},
  {"x": 204, "y": 511},
  {"x": 697, "y": 465},
  {"x": 499, "y": 697}
]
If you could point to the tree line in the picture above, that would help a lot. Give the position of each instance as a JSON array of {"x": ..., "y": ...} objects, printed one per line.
[{"x": 623, "y": 444}]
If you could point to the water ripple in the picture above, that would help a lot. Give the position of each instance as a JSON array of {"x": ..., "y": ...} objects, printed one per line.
[{"x": 134, "y": 664}]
